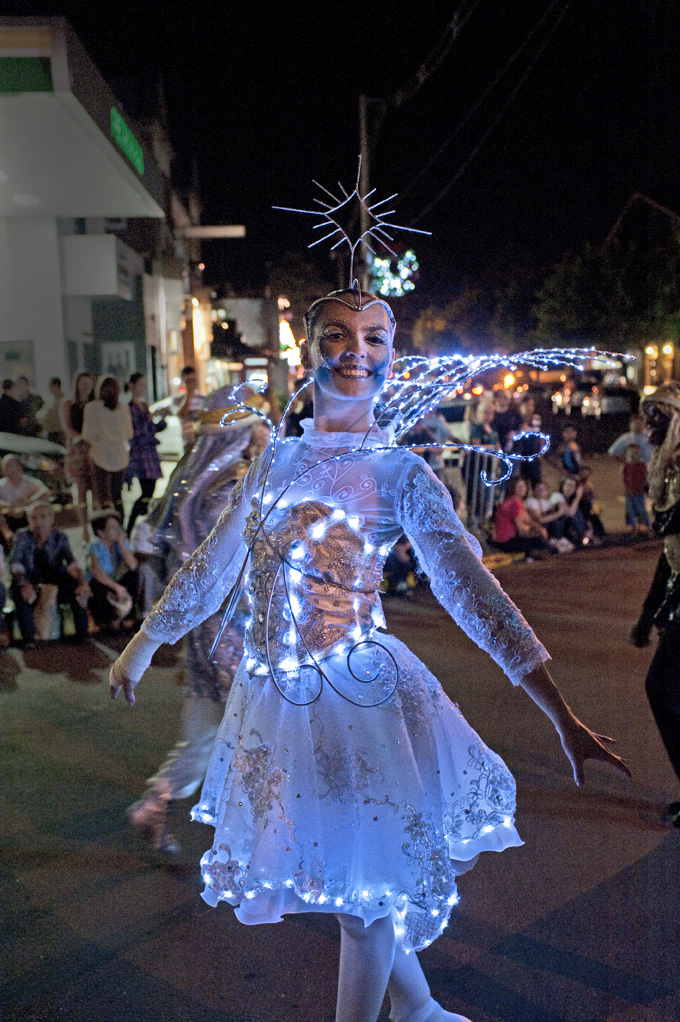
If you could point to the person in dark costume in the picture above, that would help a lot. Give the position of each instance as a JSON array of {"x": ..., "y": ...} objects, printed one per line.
[{"x": 662, "y": 604}]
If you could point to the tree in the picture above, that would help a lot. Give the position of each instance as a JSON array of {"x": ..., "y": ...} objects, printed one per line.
[
  {"x": 300, "y": 281},
  {"x": 618, "y": 297}
]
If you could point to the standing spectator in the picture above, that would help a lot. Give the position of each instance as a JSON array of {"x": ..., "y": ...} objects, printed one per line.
[
  {"x": 436, "y": 425},
  {"x": 635, "y": 482},
  {"x": 30, "y": 404},
  {"x": 636, "y": 435},
  {"x": 506, "y": 418},
  {"x": 530, "y": 423},
  {"x": 42, "y": 558},
  {"x": 12, "y": 417},
  {"x": 570, "y": 451},
  {"x": 107, "y": 428},
  {"x": 187, "y": 413},
  {"x": 112, "y": 572},
  {"x": 78, "y": 464},
  {"x": 482, "y": 431},
  {"x": 18, "y": 492},
  {"x": 514, "y": 530},
  {"x": 144, "y": 462},
  {"x": 52, "y": 425}
]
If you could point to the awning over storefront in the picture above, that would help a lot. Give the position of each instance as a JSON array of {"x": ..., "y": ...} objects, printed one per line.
[{"x": 67, "y": 148}]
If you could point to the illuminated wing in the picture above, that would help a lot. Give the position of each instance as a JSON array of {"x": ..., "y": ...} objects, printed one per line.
[{"x": 419, "y": 384}]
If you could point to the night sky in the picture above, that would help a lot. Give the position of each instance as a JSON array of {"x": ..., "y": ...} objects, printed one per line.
[{"x": 264, "y": 97}]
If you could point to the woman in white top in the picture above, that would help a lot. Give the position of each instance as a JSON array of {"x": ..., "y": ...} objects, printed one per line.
[
  {"x": 17, "y": 493},
  {"x": 107, "y": 428}
]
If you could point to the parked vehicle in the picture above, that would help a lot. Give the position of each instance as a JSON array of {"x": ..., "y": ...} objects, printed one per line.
[{"x": 610, "y": 401}]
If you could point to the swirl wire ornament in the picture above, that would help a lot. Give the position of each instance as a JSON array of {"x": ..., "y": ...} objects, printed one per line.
[
  {"x": 411, "y": 399},
  {"x": 416, "y": 389}
]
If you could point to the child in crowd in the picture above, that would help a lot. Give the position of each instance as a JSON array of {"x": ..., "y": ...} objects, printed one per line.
[
  {"x": 112, "y": 571},
  {"x": 570, "y": 451},
  {"x": 589, "y": 506},
  {"x": 635, "y": 482}
]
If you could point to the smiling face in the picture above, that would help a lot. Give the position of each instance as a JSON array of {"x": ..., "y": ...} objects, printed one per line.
[{"x": 350, "y": 351}]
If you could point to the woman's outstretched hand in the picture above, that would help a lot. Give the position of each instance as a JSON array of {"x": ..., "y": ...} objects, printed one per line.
[
  {"x": 119, "y": 683},
  {"x": 580, "y": 744},
  {"x": 127, "y": 671},
  {"x": 578, "y": 741}
]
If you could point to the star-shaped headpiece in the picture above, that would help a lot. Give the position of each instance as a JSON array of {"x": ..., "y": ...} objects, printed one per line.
[{"x": 346, "y": 215}]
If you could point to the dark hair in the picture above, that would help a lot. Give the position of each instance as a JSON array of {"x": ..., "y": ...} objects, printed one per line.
[
  {"x": 312, "y": 313},
  {"x": 108, "y": 391},
  {"x": 55, "y": 380},
  {"x": 99, "y": 520},
  {"x": 514, "y": 483},
  {"x": 7, "y": 385},
  {"x": 187, "y": 371},
  {"x": 80, "y": 375},
  {"x": 133, "y": 379}
]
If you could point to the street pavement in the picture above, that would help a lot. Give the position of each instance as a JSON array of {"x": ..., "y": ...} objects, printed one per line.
[{"x": 581, "y": 924}]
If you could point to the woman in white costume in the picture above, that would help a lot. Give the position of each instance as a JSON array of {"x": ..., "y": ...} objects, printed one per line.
[{"x": 343, "y": 779}]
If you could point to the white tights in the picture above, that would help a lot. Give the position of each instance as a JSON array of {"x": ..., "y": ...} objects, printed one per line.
[{"x": 370, "y": 963}]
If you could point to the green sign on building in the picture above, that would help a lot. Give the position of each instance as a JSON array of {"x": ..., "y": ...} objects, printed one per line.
[{"x": 127, "y": 141}]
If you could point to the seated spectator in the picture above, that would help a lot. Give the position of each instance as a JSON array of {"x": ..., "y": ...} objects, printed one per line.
[
  {"x": 44, "y": 573},
  {"x": 18, "y": 492},
  {"x": 112, "y": 571},
  {"x": 568, "y": 500},
  {"x": 401, "y": 567},
  {"x": 570, "y": 451},
  {"x": 589, "y": 505},
  {"x": 514, "y": 530},
  {"x": 145, "y": 551},
  {"x": 550, "y": 514}
]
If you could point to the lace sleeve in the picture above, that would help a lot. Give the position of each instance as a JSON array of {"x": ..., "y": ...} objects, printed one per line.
[
  {"x": 206, "y": 578},
  {"x": 459, "y": 580}
]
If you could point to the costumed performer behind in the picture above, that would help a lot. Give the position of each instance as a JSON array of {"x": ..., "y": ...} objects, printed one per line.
[
  {"x": 662, "y": 605},
  {"x": 178, "y": 522},
  {"x": 343, "y": 779}
]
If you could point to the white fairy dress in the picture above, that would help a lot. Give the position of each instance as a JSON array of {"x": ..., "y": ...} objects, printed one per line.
[{"x": 343, "y": 779}]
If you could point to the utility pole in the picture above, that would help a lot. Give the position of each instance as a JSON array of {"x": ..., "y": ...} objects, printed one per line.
[{"x": 364, "y": 186}]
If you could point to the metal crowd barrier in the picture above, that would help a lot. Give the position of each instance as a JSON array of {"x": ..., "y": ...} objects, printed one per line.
[{"x": 463, "y": 477}]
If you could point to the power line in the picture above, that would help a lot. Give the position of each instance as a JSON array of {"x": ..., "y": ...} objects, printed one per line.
[
  {"x": 428, "y": 67},
  {"x": 476, "y": 105},
  {"x": 459, "y": 173}
]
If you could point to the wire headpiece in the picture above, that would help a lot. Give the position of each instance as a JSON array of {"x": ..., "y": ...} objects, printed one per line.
[{"x": 348, "y": 212}]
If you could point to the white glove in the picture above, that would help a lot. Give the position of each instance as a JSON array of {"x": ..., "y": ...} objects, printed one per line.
[{"x": 128, "y": 669}]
